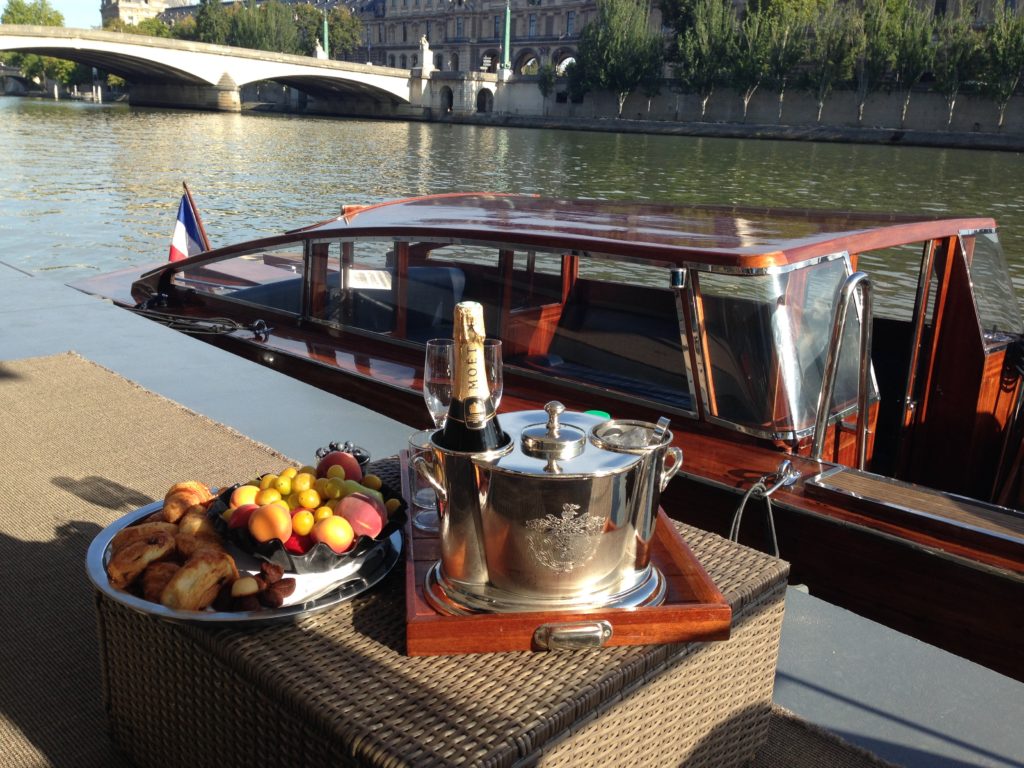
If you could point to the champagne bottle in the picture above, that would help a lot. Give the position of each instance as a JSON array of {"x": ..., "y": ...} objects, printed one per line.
[{"x": 472, "y": 423}]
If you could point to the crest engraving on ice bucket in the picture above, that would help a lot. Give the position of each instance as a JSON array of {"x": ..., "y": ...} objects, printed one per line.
[
  {"x": 552, "y": 521},
  {"x": 565, "y": 542}
]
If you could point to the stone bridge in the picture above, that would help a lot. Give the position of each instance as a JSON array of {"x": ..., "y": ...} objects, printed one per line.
[{"x": 165, "y": 72}]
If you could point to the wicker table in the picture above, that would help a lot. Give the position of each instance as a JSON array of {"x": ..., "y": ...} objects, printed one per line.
[{"x": 337, "y": 689}]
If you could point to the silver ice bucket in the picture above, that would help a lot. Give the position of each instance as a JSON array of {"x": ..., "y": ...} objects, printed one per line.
[{"x": 561, "y": 517}]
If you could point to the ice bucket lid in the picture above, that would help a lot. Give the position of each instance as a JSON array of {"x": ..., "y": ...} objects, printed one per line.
[{"x": 568, "y": 453}]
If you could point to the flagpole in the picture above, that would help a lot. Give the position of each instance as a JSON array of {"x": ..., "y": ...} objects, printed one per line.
[{"x": 199, "y": 219}]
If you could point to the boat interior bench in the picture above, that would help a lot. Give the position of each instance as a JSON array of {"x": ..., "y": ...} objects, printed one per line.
[
  {"x": 621, "y": 337},
  {"x": 284, "y": 295},
  {"x": 431, "y": 296}
]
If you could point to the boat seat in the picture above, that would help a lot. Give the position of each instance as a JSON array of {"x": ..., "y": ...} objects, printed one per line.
[
  {"x": 283, "y": 295},
  {"x": 631, "y": 344},
  {"x": 431, "y": 296}
]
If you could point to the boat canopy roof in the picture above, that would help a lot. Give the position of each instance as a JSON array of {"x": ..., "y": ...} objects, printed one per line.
[{"x": 731, "y": 237}]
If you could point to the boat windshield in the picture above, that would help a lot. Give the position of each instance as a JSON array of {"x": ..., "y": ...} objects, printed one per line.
[
  {"x": 998, "y": 310},
  {"x": 764, "y": 343}
]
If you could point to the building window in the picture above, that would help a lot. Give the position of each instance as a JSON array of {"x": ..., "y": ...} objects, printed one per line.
[
  {"x": 391, "y": 60},
  {"x": 549, "y": 25},
  {"x": 380, "y": 33},
  {"x": 497, "y": 27},
  {"x": 403, "y": 61},
  {"x": 458, "y": 27},
  {"x": 427, "y": 34},
  {"x": 570, "y": 23},
  {"x": 405, "y": 34},
  {"x": 532, "y": 31},
  {"x": 415, "y": 59}
]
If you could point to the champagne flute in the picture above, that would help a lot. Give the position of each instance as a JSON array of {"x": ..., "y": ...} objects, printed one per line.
[
  {"x": 438, "y": 362},
  {"x": 437, "y": 379},
  {"x": 492, "y": 362}
]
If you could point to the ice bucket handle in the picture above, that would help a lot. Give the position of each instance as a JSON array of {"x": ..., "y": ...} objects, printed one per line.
[
  {"x": 668, "y": 471},
  {"x": 426, "y": 471}
]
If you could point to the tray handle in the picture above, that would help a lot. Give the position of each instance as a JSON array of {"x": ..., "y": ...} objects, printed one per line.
[{"x": 572, "y": 636}]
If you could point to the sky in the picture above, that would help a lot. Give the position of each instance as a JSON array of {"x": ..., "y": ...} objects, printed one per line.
[{"x": 81, "y": 14}]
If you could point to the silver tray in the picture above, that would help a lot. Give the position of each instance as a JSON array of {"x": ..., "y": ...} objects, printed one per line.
[{"x": 330, "y": 589}]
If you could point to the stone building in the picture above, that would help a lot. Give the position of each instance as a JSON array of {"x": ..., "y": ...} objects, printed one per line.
[
  {"x": 468, "y": 35},
  {"x": 134, "y": 11}
]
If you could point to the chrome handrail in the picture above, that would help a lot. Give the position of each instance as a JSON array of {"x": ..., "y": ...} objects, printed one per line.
[{"x": 856, "y": 281}]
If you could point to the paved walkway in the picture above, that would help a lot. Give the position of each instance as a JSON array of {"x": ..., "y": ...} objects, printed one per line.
[{"x": 907, "y": 702}]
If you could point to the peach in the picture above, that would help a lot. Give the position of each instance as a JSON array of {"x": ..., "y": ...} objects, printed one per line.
[
  {"x": 335, "y": 532},
  {"x": 243, "y": 494},
  {"x": 240, "y": 515},
  {"x": 270, "y": 521},
  {"x": 364, "y": 513},
  {"x": 347, "y": 462}
]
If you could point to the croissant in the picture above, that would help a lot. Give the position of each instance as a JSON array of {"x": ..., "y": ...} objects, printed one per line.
[
  {"x": 182, "y": 496},
  {"x": 132, "y": 559},
  {"x": 136, "y": 532},
  {"x": 197, "y": 582},
  {"x": 155, "y": 578}
]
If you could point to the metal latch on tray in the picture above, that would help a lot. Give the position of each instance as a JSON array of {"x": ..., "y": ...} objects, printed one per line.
[{"x": 572, "y": 636}]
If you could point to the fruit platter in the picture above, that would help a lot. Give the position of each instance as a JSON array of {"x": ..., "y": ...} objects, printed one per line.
[{"x": 276, "y": 547}]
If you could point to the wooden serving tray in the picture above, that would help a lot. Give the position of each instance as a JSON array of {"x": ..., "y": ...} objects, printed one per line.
[{"x": 694, "y": 609}]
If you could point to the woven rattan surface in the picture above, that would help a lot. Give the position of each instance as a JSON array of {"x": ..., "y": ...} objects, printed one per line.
[
  {"x": 84, "y": 446},
  {"x": 337, "y": 687}
]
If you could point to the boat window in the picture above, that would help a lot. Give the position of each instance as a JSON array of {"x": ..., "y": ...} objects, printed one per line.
[
  {"x": 270, "y": 278},
  {"x": 764, "y": 347},
  {"x": 352, "y": 283},
  {"x": 615, "y": 270},
  {"x": 894, "y": 274},
  {"x": 994, "y": 298},
  {"x": 618, "y": 330}
]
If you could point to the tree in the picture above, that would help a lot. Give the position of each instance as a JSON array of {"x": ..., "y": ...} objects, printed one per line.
[
  {"x": 309, "y": 22},
  {"x": 617, "y": 52},
  {"x": 752, "y": 65},
  {"x": 957, "y": 52},
  {"x": 789, "y": 25},
  {"x": 676, "y": 15},
  {"x": 34, "y": 67},
  {"x": 37, "y": 12},
  {"x": 913, "y": 50},
  {"x": 546, "y": 83},
  {"x": 833, "y": 48},
  {"x": 707, "y": 49},
  {"x": 213, "y": 22},
  {"x": 1004, "y": 57},
  {"x": 877, "y": 50},
  {"x": 184, "y": 29},
  {"x": 345, "y": 30}
]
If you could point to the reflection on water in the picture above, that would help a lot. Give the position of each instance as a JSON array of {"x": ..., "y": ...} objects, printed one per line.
[{"x": 91, "y": 188}]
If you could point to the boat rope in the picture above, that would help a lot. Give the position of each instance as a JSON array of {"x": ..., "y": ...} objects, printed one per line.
[
  {"x": 785, "y": 475},
  {"x": 203, "y": 325}
]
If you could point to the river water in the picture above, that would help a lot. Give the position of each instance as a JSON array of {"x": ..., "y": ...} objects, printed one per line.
[{"x": 90, "y": 188}]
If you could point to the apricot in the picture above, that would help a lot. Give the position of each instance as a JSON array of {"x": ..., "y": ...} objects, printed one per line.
[
  {"x": 335, "y": 532},
  {"x": 243, "y": 494},
  {"x": 270, "y": 521},
  {"x": 347, "y": 462},
  {"x": 364, "y": 513}
]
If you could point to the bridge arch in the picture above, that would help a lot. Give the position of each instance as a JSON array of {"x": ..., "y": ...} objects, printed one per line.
[{"x": 173, "y": 65}]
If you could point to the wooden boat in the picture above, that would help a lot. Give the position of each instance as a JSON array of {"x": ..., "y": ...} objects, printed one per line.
[{"x": 890, "y": 438}]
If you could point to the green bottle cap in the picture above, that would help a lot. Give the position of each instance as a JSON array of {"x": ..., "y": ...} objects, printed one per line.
[{"x": 602, "y": 414}]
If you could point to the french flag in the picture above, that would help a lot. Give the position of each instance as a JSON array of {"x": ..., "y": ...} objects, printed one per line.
[{"x": 187, "y": 239}]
